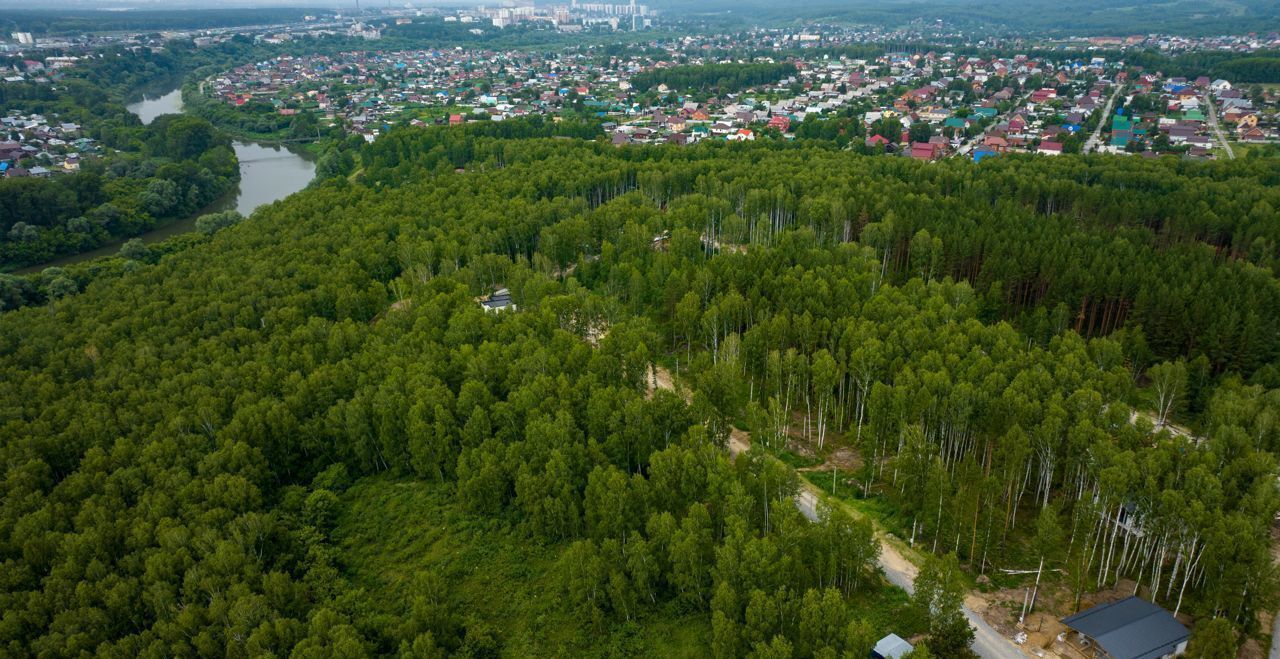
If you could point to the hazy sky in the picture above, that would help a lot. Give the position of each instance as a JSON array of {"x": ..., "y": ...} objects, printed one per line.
[{"x": 220, "y": 4}]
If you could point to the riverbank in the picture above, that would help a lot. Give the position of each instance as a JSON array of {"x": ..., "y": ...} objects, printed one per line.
[
  {"x": 268, "y": 173},
  {"x": 158, "y": 234}
]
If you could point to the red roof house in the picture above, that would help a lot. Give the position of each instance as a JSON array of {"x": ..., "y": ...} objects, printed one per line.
[
  {"x": 1050, "y": 148},
  {"x": 926, "y": 151}
]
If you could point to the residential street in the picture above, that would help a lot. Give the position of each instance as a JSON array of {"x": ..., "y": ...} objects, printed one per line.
[
  {"x": 971, "y": 143},
  {"x": 1231, "y": 155},
  {"x": 1093, "y": 143}
]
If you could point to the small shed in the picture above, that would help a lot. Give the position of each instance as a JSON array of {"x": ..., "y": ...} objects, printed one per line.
[
  {"x": 1131, "y": 628},
  {"x": 891, "y": 647}
]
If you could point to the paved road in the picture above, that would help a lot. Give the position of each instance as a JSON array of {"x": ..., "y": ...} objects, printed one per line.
[
  {"x": 1231, "y": 155},
  {"x": 1093, "y": 142},
  {"x": 987, "y": 642}
]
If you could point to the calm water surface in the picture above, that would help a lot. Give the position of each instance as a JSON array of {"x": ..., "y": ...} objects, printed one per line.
[{"x": 268, "y": 172}]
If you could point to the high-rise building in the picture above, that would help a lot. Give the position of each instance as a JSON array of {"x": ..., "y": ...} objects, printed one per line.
[{"x": 24, "y": 38}]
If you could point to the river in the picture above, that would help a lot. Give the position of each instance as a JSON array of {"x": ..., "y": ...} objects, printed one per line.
[{"x": 268, "y": 172}]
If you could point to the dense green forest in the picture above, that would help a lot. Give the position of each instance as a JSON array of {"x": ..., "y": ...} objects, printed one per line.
[
  {"x": 1239, "y": 68},
  {"x": 1184, "y": 253},
  {"x": 303, "y": 435},
  {"x": 723, "y": 78}
]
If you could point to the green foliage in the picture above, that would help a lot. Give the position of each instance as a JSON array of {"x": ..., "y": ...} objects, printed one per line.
[
  {"x": 1213, "y": 639},
  {"x": 214, "y": 222},
  {"x": 920, "y": 651},
  {"x": 134, "y": 250},
  {"x": 938, "y": 598},
  {"x": 418, "y": 566},
  {"x": 722, "y": 78}
]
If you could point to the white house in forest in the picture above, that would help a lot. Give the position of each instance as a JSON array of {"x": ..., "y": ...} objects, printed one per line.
[{"x": 499, "y": 300}]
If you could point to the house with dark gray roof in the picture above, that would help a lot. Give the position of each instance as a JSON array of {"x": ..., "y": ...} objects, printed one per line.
[
  {"x": 1131, "y": 628},
  {"x": 500, "y": 300}
]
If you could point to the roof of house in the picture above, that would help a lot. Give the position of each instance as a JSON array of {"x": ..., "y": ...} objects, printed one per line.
[
  {"x": 1131, "y": 628},
  {"x": 924, "y": 150},
  {"x": 500, "y": 299},
  {"x": 891, "y": 647}
]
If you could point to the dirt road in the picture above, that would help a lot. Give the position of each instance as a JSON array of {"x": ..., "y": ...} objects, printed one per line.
[
  {"x": 1217, "y": 129},
  {"x": 660, "y": 378},
  {"x": 987, "y": 642}
]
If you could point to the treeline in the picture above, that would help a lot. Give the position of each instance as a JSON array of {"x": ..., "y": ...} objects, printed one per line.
[
  {"x": 1249, "y": 70},
  {"x": 1238, "y": 68},
  {"x": 403, "y": 154},
  {"x": 55, "y": 22},
  {"x": 722, "y": 78}
]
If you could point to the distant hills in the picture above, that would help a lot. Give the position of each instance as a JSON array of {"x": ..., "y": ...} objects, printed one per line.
[
  {"x": 996, "y": 17},
  {"x": 1077, "y": 17}
]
